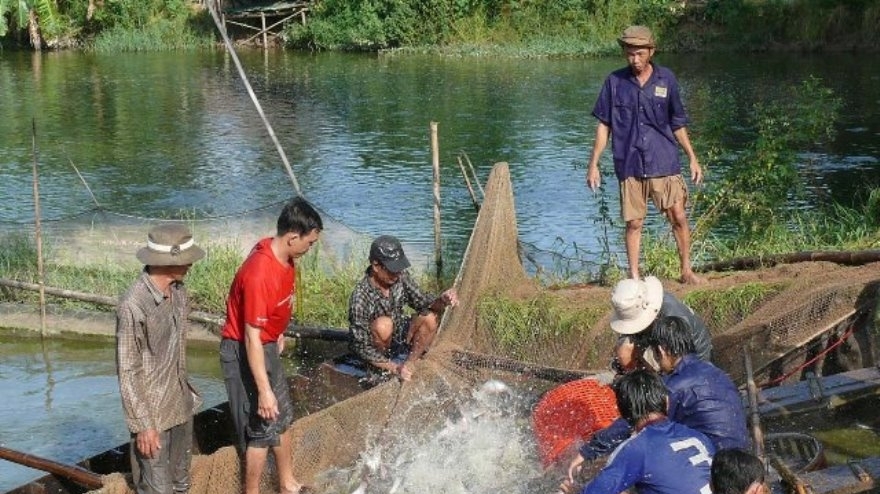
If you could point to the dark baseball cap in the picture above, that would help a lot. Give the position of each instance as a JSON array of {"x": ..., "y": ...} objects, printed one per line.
[{"x": 388, "y": 251}]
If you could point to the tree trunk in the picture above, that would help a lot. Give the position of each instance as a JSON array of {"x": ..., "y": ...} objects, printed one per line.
[{"x": 34, "y": 30}]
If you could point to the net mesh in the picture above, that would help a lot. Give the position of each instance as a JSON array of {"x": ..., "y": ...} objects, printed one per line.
[{"x": 806, "y": 304}]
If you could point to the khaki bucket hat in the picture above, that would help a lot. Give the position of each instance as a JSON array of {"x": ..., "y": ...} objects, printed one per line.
[
  {"x": 637, "y": 36},
  {"x": 170, "y": 244}
]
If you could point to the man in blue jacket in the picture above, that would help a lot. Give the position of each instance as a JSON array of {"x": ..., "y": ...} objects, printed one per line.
[
  {"x": 701, "y": 395},
  {"x": 662, "y": 456}
]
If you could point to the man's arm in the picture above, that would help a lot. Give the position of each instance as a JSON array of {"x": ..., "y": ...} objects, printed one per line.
[
  {"x": 594, "y": 178},
  {"x": 681, "y": 135},
  {"x": 267, "y": 403}
]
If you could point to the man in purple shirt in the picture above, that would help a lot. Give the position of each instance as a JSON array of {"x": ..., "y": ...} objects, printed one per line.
[{"x": 640, "y": 107}]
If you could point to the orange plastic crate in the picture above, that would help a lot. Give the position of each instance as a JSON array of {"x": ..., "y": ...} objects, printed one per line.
[{"x": 569, "y": 413}]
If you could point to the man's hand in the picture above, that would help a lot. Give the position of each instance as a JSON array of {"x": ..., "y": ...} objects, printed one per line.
[
  {"x": 696, "y": 172},
  {"x": 403, "y": 372},
  {"x": 594, "y": 178},
  {"x": 575, "y": 467},
  {"x": 148, "y": 443},
  {"x": 267, "y": 405},
  {"x": 449, "y": 297}
]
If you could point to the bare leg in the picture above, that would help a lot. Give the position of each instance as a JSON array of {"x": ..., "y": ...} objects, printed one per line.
[
  {"x": 382, "y": 329},
  {"x": 284, "y": 462},
  {"x": 633, "y": 242},
  {"x": 255, "y": 461},
  {"x": 682, "y": 233},
  {"x": 421, "y": 334}
]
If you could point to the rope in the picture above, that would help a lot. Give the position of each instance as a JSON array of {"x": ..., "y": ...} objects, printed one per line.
[{"x": 813, "y": 360}]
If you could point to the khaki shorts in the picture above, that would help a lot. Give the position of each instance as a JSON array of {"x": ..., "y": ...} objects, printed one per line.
[{"x": 664, "y": 193}]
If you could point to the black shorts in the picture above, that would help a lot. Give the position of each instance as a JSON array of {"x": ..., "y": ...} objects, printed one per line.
[{"x": 252, "y": 430}]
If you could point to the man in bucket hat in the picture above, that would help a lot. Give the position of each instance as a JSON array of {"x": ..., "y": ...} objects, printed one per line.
[
  {"x": 157, "y": 398},
  {"x": 640, "y": 109},
  {"x": 381, "y": 331},
  {"x": 639, "y": 305}
]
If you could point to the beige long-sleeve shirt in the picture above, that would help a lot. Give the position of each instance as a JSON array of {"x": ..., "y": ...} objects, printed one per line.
[{"x": 151, "y": 357}]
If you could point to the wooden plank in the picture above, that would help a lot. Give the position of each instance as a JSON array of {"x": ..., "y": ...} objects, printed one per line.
[
  {"x": 844, "y": 479},
  {"x": 818, "y": 393}
]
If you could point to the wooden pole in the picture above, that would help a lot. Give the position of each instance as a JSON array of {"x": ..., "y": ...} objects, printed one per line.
[
  {"x": 435, "y": 162},
  {"x": 474, "y": 174},
  {"x": 265, "y": 36},
  {"x": 231, "y": 49},
  {"x": 86, "y": 478},
  {"x": 467, "y": 181},
  {"x": 38, "y": 232},
  {"x": 757, "y": 433}
]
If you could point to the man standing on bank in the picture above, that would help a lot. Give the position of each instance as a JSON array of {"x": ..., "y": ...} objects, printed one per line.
[
  {"x": 157, "y": 397},
  {"x": 381, "y": 331},
  {"x": 641, "y": 110},
  {"x": 258, "y": 310}
]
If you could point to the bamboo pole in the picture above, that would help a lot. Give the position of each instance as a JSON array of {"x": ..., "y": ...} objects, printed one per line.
[
  {"x": 435, "y": 163},
  {"x": 474, "y": 174},
  {"x": 86, "y": 478},
  {"x": 467, "y": 182},
  {"x": 38, "y": 232},
  {"x": 229, "y": 48},
  {"x": 757, "y": 433},
  {"x": 848, "y": 258}
]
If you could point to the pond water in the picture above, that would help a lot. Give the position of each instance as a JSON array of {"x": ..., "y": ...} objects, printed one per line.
[
  {"x": 157, "y": 134},
  {"x": 59, "y": 398}
]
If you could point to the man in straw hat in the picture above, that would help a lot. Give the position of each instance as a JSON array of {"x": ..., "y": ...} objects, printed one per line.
[
  {"x": 640, "y": 108},
  {"x": 157, "y": 398},
  {"x": 258, "y": 310}
]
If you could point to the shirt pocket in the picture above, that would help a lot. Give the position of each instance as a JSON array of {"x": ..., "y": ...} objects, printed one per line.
[{"x": 624, "y": 114}]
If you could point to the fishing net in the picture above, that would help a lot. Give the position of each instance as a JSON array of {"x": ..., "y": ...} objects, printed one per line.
[{"x": 345, "y": 447}]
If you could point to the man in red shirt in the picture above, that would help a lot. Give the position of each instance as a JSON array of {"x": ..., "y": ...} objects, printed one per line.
[{"x": 258, "y": 311}]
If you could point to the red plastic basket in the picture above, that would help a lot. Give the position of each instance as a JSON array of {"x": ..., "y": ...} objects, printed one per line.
[{"x": 571, "y": 412}]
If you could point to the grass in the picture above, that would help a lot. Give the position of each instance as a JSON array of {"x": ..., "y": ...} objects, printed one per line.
[
  {"x": 324, "y": 284},
  {"x": 721, "y": 309},
  {"x": 518, "y": 324}
]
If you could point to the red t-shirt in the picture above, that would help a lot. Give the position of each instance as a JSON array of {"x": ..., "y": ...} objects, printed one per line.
[{"x": 261, "y": 295}]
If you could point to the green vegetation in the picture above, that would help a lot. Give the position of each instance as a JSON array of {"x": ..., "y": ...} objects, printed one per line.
[
  {"x": 722, "y": 309},
  {"x": 324, "y": 284},
  {"x": 119, "y": 25},
  {"x": 579, "y": 27},
  {"x": 521, "y": 28},
  {"x": 520, "y": 325}
]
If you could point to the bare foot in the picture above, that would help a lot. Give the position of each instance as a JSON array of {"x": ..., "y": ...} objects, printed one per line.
[{"x": 691, "y": 279}]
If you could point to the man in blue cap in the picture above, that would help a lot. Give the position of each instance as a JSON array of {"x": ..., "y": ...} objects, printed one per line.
[{"x": 382, "y": 333}]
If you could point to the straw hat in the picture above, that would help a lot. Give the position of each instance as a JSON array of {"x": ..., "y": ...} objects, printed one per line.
[
  {"x": 170, "y": 244},
  {"x": 636, "y": 304}
]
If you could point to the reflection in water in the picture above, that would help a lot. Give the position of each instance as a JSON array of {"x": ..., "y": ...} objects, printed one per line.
[{"x": 60, "y": 399}]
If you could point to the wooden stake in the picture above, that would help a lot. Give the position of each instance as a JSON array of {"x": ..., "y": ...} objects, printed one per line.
[
  {"x": 757, "y": 433},
  {"x": 467, "y": 181},
  {"x": 435, "y": 162},
  {"x": 474, "y": 174},
  {"x": 38, "y": 231}
]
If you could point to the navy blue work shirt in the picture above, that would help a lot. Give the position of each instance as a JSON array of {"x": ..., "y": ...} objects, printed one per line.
[
  {"x": 642, "y": 122},
  {"x": 704, "y": 398}
]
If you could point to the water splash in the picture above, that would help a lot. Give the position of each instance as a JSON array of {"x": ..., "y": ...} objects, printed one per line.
[{"x": 486, "y": 446}]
